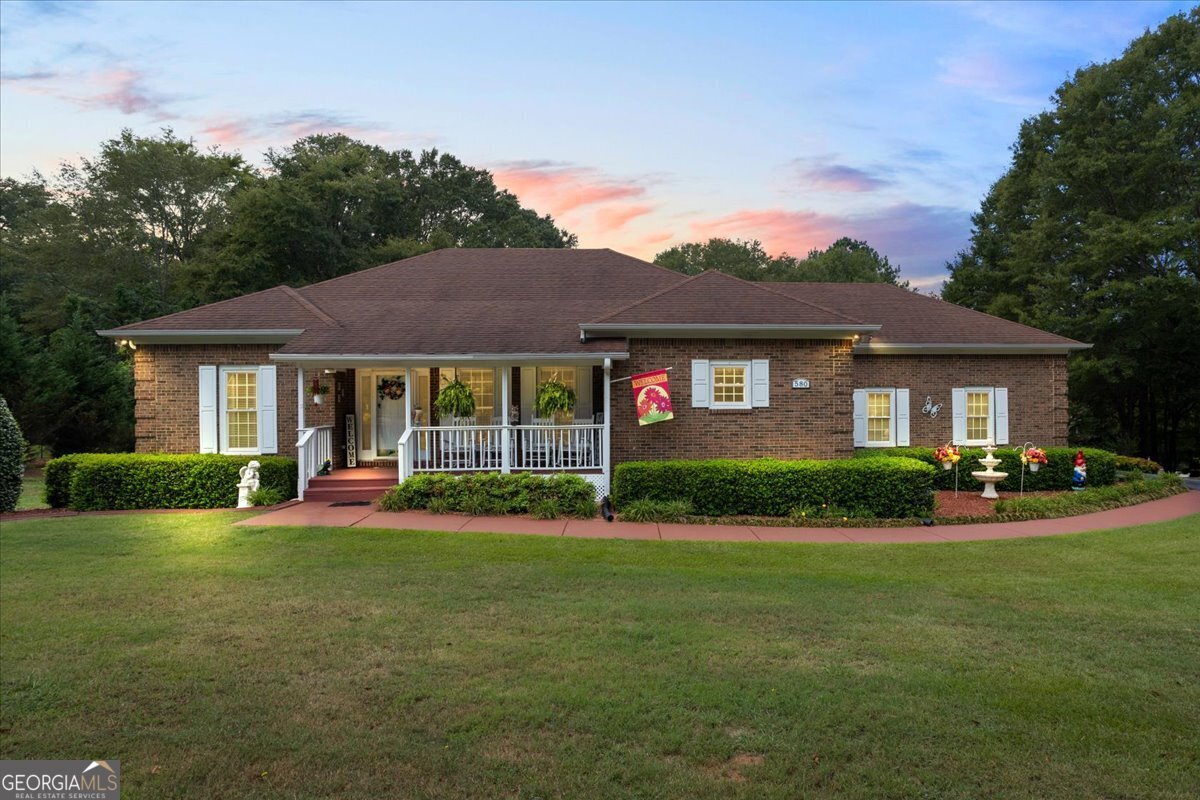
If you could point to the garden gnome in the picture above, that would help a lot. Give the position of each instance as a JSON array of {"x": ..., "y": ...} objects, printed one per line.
[
  {"x": 1079, "y": 476},
  {"x": 248, "y": 484}
]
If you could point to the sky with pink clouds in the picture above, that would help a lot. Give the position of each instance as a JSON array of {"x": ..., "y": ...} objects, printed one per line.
[{"x": 636, "y": 125}]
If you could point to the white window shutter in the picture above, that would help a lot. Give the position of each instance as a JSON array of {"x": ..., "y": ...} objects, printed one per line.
[
  {"x": 701, "y": 395},
  {"x": 760, "y": 383},
  {"x": 860, "y": 417},
  {"x": 1000, "y": 398},
  {"x": 902, "y": 418},
  {"x": 208, "y": 409},
  {"x": 268, "y": 427},
  {"x": 958, "y": 399}
]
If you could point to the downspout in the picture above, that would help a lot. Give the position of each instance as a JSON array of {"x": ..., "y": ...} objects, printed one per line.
[
  {"x": 606, "y": 442},
  {"x": 300, "y": 459}
]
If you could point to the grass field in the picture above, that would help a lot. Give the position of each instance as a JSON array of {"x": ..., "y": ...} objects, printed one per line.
[
  {"x": 216, "y": 661},
  {"x": 33, "y": 491}
]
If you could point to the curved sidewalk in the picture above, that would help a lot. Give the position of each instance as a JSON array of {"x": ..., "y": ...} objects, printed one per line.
[{"x": 1180, "y": 505}]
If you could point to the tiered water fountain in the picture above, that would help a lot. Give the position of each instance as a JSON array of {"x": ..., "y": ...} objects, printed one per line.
[{"x": 989, "y": 477}]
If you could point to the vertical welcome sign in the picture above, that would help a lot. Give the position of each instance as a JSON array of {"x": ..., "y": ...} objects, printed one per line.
[{"x": 652, "y": 396}]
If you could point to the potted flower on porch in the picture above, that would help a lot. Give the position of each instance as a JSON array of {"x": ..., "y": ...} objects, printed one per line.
[
  {"x": 455, "y": 401},
  {"x": 555, "y": 399},
  {"x": 317, "y": 392}
]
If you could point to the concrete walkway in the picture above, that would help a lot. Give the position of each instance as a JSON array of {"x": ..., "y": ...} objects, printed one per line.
[{"x": 367, "y": 517}]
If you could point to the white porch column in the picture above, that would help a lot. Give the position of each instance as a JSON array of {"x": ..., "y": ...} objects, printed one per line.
[
  {"x": 606, "y": 437},
  {"x": 299, "y": 397},
  {"x": 408, "y": 455},
  {"x": 505, "y": 404}
]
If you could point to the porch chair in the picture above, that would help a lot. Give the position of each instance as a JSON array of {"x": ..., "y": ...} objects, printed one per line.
[{"x": 458, "y": 447}]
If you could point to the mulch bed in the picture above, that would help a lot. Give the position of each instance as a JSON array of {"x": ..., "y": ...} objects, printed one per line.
[{"x": 971, "y": 504}]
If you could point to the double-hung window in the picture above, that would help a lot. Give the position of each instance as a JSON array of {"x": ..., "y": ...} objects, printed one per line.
[
  {"x": 980, "y": 415},
  {"x": 881, "y": 430},
  {"x": 881, "y": 417},
  {"x": 727, "y": 384},
  {"x": 238, "y": 413},
  {"x": 730, "y": 384}
]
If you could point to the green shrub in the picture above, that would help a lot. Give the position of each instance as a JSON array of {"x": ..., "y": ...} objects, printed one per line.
[
  {"x": 1102, "y": 469},
  {"x": 265, "y": 497},
  {"x": 485, "y": 493},
  {"x": 1094, "y": 499},
  {"x": 108, "y": 481},
  {"x": 880, "y": 487},
  {"x": 1135, "y": 464},
  {"x": 657, "y": 511},
  {"x": 12, "y": 460}
]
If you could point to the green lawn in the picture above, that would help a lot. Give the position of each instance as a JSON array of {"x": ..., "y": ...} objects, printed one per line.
[
  {"x": 33, "y": 492},
  {"x": 216, "y": 661}
]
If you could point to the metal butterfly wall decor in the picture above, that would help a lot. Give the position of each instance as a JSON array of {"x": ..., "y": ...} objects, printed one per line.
[{"x": 930, "y": 407}]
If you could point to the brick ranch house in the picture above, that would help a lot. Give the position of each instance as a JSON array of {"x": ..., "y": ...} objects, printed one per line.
[{"x": 789, "y": 370}]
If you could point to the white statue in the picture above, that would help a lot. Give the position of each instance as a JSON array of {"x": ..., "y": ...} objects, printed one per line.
[{"x": 248, "y": 483}]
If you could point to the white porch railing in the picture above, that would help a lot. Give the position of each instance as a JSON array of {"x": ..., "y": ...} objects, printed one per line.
[
  {"x": 313, "y": 449},
  {"x": 501, "y": 448}
]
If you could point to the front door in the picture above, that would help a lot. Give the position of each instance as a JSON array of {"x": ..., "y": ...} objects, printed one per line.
[{"x": 381, "y": 410}]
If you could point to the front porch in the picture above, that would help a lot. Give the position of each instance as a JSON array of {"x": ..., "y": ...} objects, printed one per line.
[{"x": 385, "y": 417}]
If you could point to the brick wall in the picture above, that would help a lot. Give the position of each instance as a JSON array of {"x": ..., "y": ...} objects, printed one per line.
[
  {"x": 1037, "y": 391},
  {"x": 800, "y": 423},
  {"x": 167, "y": 400}
]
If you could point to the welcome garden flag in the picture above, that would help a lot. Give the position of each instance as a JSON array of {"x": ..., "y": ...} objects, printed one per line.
[{"x": 653, "y": 397}]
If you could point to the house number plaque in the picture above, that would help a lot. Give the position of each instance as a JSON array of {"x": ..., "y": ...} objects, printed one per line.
[{"x": 801, "y": 383}]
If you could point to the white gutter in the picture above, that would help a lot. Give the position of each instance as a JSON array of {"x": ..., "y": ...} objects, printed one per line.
[
  {"x": 701, "y": 331},
  {"x": 434, "y": 359},
  {"x": 215, "y": 336},
  {"x": 952, "y": 348}
]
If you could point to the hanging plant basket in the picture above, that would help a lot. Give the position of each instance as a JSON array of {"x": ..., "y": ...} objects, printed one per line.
[
  {"x": 317, "y": 392},
  {"x": 554, "y": 399},
  {"x": 455, "y": 400}
]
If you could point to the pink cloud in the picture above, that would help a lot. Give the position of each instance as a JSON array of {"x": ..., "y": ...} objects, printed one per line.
[
  {"x": 917, "y": 237},
  {"x": 613, "y": 218},
  {"x": 657, "y": 238},
  {"x": 561, "y": 188},
  {"x": 839, "y": 178},
  {"x": 116, "y": 87}
]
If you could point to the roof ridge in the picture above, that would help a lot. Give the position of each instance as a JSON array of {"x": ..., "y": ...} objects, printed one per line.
[
  {"x": 762, "y": 285},
  {"x": 685, "y": 280},
  {"x": 309, "y": 306}
]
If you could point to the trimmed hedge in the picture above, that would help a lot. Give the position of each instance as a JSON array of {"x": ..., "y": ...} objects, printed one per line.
[
  {"x": 880, "y": 487},
  {"x": 12, "y": 458},
  {"x": 1102, "y": 470},
  {"x": 118, "y": 481},
  {"x": 1096, "y": 499},
  {"x": 1135, "y": 464},
  {"x": 492, "y": 493}
]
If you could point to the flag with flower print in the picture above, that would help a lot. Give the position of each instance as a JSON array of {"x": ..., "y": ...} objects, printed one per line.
[{"x": 652, "y": 395}]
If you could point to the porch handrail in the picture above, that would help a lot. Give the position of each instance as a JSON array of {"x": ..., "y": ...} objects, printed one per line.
[
  {"x": 313, "y": 449},
  {"x": 569, "y": 447},
  {"x": 404, "y": 461}
]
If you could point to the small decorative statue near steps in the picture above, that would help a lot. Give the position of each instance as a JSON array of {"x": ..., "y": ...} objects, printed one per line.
[
  {"x": 1079, "y": 476},
  {"x": 248, "y": 483}
]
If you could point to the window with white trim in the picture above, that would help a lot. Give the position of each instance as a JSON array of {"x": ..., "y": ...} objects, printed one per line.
[
  {"x": 482, "y": 383},
  {"x": 981, "y": 419},
  {"x": 730, "y": 381},
  {"x": 881, "y": 429},
  {"x": 239, "y": 410}
]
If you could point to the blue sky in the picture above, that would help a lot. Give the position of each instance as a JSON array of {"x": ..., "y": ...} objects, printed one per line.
[{"x": 636, "y": 125}]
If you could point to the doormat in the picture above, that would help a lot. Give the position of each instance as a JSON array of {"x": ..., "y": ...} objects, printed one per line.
[{"x": 345, "y": 503}]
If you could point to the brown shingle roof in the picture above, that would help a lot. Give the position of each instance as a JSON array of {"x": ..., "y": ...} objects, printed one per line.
[
  {"x": 716, "y": 298},
  {"x": 533, "y": 301},
  {"x": 277, "y": 308},
  {"x": 911, "y": 318}
]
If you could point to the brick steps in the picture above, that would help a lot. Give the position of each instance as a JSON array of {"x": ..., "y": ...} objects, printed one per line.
[{"x": 351, "y": 485}]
